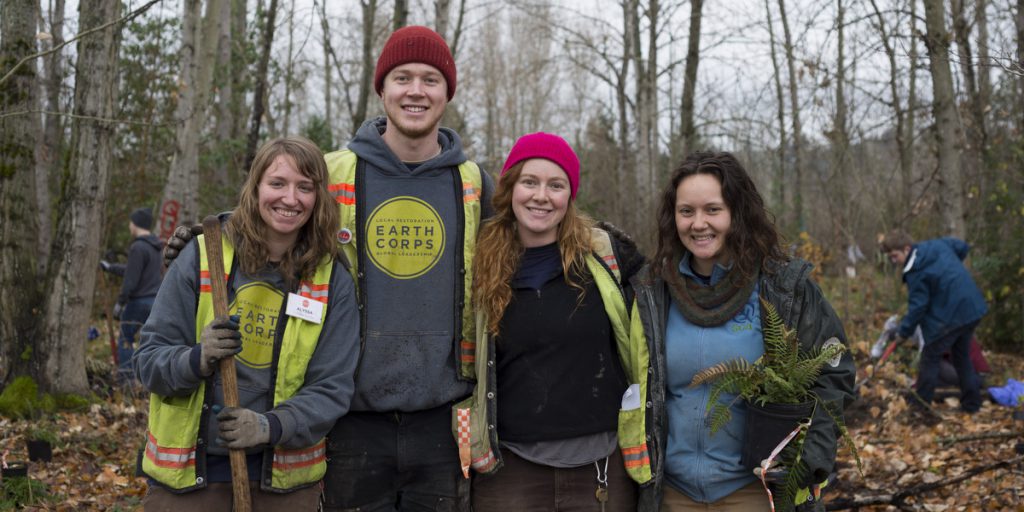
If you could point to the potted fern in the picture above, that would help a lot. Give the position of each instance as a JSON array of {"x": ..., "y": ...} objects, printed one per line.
[{"x": 777, "y": 389}]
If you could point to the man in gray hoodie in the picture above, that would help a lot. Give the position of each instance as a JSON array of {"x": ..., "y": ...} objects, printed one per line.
[{"x": 411, "y": 205}]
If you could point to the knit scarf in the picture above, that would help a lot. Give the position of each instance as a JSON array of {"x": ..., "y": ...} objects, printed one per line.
[{"x": 708, "y": 306}]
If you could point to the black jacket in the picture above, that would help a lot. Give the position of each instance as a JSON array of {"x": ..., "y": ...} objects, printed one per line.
[
  {"x": 802, "y": 306},
  {"x": 142, "y": 273}
]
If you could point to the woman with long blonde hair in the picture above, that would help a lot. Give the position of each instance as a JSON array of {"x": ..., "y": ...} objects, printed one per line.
[
  {"x": 544, "y": 288},
  {"x": 292, "y": 334}
]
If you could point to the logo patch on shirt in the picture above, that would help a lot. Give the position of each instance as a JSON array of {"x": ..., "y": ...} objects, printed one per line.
[
  {"x": 404, "y": 237},
  {"x": 258, "y": 306}
]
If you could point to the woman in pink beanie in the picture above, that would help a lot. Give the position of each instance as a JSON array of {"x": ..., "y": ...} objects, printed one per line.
[{"x": 550, "y": 299}]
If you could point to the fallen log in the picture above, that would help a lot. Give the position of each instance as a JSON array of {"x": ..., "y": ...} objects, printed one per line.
[{"x": 897, "y": 499}]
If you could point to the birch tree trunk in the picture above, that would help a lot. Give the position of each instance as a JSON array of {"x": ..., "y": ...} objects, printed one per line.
[
  {"x": 71, "y": 280},
  {"x": 20, "y": 291},
  {"x": 798, "y": 223},
  {"x": 687, "y": 129},
  {"x": 180, "y": 200},
  {"x": 50, "y": 150},
  {"x": 949, "y": 136}
]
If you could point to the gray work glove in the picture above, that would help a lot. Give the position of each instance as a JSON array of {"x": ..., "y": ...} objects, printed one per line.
[
  {"x": 118, "y": 309},
  {"x": 219, "y": 339},
  {"x": 242, "y": 428},
  {"x": 181, "y": 237}
]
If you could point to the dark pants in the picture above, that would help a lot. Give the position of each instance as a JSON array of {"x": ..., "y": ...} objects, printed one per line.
[
  {"x": 135, "y": 313},
  {"x": 957, "y": 342},
  {"x": 218, "y": 496},
  {"x": 523, "y": 486},
  {"x": 394, "y": 461}
]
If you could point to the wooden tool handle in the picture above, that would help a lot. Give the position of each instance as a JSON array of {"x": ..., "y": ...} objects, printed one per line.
[{"x": 219, "y": 288}]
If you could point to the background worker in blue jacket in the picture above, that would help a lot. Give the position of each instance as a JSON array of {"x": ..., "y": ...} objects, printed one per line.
[{"x": 946, "y": 303}]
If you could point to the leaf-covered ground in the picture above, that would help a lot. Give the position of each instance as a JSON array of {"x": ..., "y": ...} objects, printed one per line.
[{"x": 93, "y": 465}]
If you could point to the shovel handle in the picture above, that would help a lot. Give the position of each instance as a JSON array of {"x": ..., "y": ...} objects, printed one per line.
[{"x": 218, "y": 286}]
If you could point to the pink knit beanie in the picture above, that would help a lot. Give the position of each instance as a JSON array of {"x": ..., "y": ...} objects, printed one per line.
[
  {"x": 549, "y": 147},
  {"x": 415, "y": 44}
]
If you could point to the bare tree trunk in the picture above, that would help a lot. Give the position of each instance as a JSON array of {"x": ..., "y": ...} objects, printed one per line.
[
  {"x": 974, "y": 124},
  {"x": 225, "y": 96},
  {"x": 798, "y": 200},
  {"x": 646, "y": 107},
  {"x": 72, "y": 280},
  {"x": 904, "y": 139},
  {"x": 781, "y": 204},
  {"x": 401, "y": 16},
  {"x": 626, "y": 185},
  {"x": 984, "y": 57},
  {"x": 328, "y": 69},
  {"x": 240, "y": 73},
  {"x": 910, "y": 134},
  {"x": 369, "y": 8},
  {"x": 20, "y": 291},
  {"x": 442, "y": 17},
  {"x": 289, "y": 72},
  {"x": 949, "y": 136},
  {"x": 180, "y": 202},
  {"x": 259, "y": 102},
  {"x": 456, "y": 39},
  {"x": 1019, "y": 21},
  {"x": 49, "y": 156},
  {"x": 687, "y": 130},
  {"x": 841, "y": 141}
]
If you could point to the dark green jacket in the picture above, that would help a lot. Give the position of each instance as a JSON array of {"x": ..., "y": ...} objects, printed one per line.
[{"x": 802, "y": 306}]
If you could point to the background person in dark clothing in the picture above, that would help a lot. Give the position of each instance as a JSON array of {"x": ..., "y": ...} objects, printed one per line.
[
  {"x": 946, "y": 303},
  {"x": 141, "y": 281}
]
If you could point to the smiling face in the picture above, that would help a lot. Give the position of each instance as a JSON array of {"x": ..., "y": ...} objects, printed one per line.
[
  {"x": 286, "y": 199},
  {"x": 703, "y": 221},
  {"x": 414, "y": 96},
  {"x": 540, "y": 198}
]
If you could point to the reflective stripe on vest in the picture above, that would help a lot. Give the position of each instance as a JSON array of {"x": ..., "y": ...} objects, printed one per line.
[
  {"x": 171, "y": 444},
  {"x": 342, "y": 168}
]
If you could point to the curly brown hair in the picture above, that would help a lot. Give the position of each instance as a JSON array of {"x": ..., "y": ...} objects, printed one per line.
[
  {"x": 317, "y": 238},
  {"x": 498, "y": 250},
  {"x": 753, "y": 240}
]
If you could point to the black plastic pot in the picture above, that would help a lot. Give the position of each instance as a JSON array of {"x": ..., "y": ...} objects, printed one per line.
[
  {"x": 14, "y": 470},
  {"x": 767, "y": 425},
  {"x": 39, "y": 450}
]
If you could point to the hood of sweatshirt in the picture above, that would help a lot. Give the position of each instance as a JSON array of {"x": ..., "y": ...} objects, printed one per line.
[{"x": 369, "y": 145}]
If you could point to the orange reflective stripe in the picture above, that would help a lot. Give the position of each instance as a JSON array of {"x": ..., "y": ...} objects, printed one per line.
[
  {"x": 175, "y": 458},
  {"x": 314, "y": 291},
  {"x": 636, "y": 456},
  {"x": 469, "y": 193},
  {"x": 301, "y": 458},
  {"x": 204, "y": 281},
  {"x": 612, "y": 263},
  {"x": 467, "y": 352},
  {"x": 344, "y": 193}
]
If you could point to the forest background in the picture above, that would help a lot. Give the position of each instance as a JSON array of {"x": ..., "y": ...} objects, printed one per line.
[{"x": 854, "y": 117}]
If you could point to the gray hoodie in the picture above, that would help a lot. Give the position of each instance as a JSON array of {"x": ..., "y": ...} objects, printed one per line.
[
  {"x": 411, "y": 273},
  {"x": 163, "y": 363}
]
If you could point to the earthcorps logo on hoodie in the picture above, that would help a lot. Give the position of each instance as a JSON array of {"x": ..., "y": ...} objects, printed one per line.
[
  {"x": 258, "y": 305},
  {"x": 404, "y": 237}
]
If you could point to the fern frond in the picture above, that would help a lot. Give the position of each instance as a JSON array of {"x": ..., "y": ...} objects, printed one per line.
[{"x": 718, "y": 371}]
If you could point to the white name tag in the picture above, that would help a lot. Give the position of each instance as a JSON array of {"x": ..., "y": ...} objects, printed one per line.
[{"x": 304, "y": 308}]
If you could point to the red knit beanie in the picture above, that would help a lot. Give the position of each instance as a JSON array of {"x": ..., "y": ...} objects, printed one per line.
[
  {"x": 549, "y": 147},
  {"x": 415, "y": 44}
]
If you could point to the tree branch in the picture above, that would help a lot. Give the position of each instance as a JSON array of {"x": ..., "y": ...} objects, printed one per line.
[{"x": 127, "y": 17}]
